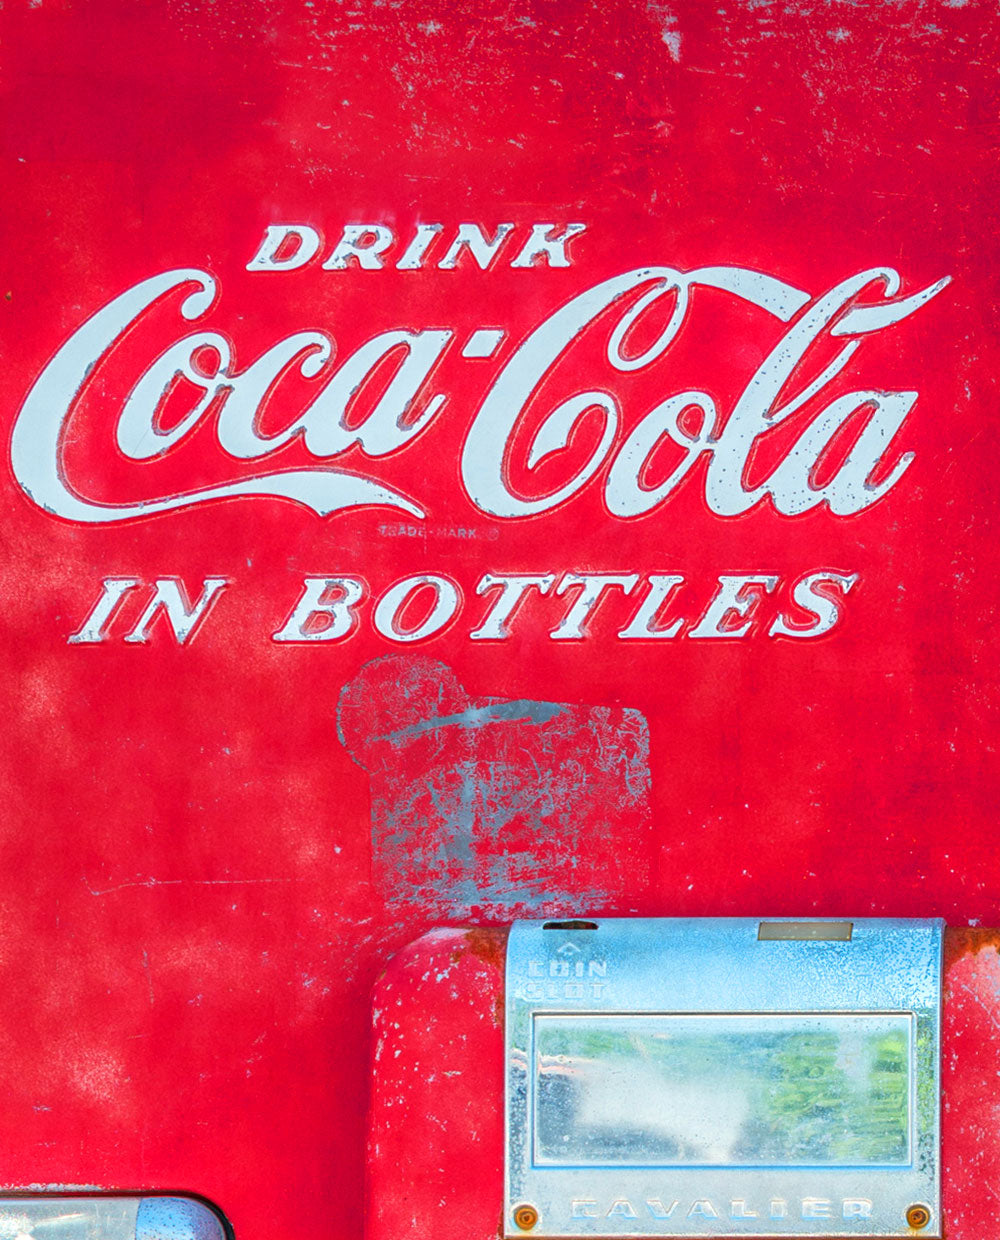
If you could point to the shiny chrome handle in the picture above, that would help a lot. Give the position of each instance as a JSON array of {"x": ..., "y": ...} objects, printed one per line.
[{"x": 47, "y": 1217}]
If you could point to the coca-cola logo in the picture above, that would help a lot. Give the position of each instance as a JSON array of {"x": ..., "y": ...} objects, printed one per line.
[
  {"x": 846, "y": 315},
  {"x": 528, "y": 408}
]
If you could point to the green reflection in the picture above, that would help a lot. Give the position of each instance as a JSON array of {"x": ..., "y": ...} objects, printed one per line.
[{"x": 768, "y": 1090}]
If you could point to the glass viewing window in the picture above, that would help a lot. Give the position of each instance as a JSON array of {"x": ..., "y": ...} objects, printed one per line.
[{"x": 722, "y": 1090}]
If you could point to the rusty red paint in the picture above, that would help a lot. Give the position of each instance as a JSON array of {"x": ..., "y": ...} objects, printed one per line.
[
  {"x": 970, "y": 1067},
  {"x": 459, "y": 999},
  {"x": 198, "y": 896},
  {"x": 487, "y": 943},
  {"x": 438, "y": 1074}
]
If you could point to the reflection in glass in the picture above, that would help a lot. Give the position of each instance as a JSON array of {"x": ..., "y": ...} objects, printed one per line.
[{"x": 754, "y": 1090}]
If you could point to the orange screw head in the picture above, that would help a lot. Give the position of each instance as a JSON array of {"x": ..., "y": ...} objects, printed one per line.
[
  {"x": 525, "y": 1217},
  {"x": 918, "y": 1216}
]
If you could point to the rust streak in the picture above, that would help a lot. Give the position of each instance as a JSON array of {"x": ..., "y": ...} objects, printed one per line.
[
  {"x": 487, "y": 943},
  {"x": 960, "y": 941}
]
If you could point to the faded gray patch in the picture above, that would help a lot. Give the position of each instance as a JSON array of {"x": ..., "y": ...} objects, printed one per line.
[{"x": 496, "y": 807}]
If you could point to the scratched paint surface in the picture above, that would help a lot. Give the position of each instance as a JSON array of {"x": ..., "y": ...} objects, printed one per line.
[
  {"x": 437, "y": 1050},
  {"x": 487, "y": 807},
  {"x": 438, "y": 1060},
  {"x": 205, "y": 872}
]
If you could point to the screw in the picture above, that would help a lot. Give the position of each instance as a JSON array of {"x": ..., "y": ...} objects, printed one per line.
[
  {"x": 917, "y": 1217},
  {"x": 525, "y": 1217}
]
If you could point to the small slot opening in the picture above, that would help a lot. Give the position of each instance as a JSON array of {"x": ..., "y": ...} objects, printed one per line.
[
  {"x": 805, "y": 931},
  {"x": 570, "y": 925}
]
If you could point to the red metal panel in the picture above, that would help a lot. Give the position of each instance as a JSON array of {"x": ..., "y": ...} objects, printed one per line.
[
  {"x": 435, "y": 1143},
  {"x": 216, "y": 831},
  {"x": 436, "y": 1128}
]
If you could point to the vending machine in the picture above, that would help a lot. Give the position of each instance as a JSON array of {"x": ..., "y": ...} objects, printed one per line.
[{"x": 499, "y": 581}]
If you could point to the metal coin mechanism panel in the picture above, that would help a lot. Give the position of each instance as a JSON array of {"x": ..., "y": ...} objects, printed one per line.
[{"x": 719, "y": 1077}]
